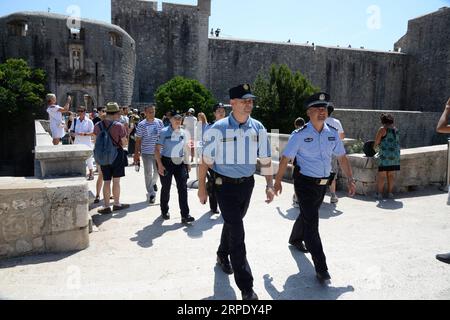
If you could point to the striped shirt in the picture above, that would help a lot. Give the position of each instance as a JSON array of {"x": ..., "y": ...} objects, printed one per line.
[{"x": 149, "y": 133}]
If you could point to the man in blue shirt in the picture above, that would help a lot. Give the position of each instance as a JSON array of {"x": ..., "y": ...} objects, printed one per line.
[
  {"x": 231, "y": 148},
  {"x": 219, "y": 114},
  {"x": 147, "y": 134},
  {"x": 313, "y": 146},
  {"x": 172, "y": 157}
]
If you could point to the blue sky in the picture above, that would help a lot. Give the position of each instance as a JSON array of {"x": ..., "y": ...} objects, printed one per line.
[{"x": 374, "y": 24}]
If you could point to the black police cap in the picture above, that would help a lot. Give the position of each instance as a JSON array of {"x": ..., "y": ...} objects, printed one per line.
[
  {"x": 242, "y": 91},
  {"x": 217, "y": 106},
  {"x": 320, "y": 99},
  {"x": 176, "y": 114}
]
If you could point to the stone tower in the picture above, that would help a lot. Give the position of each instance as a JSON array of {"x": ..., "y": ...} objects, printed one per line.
[
  {"x": 170, "y": 42},
  {"x": 427, "y": 43}
]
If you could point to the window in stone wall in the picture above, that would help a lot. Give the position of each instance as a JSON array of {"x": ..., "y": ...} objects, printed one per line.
[
  {"x": 18, "y": 28},
  {"x": 76, "y": 57},
  {"x": 115, "y": 39},
  {"x": 76, "y": 34}
]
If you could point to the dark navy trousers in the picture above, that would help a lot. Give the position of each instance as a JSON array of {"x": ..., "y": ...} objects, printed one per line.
[
  {"x": 234, "y": 200},
  {"x": 179, "y": 171},
  {"x": 306, "y": 228}
]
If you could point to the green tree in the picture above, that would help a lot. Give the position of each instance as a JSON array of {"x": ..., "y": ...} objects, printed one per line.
[
  {"x": 281, "y": 95},
  {"x": 181, "y": 94},
  {"x": 22, "y": 89}
]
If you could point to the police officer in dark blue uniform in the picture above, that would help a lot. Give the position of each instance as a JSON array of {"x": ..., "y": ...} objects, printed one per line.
[
  {"x": 231, "y": 148},
  {"x": 313, "y": 146},
  {"x": 172, "y": 157}
]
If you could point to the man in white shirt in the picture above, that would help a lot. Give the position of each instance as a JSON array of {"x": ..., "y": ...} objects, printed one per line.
[
  {"x": 55, "y": 112},
  {"x": 335, "y": 123},
  {"x": 190, "y": 123},
  {"x": 82, "y": 129}
]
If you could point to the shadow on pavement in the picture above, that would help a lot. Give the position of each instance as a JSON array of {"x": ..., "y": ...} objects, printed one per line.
[
  {"x": 145, "y": 237},
  {"x": 35, "y": 259},
  {"x": 98, "y": 219},
  {"x": 291, "y": 214},
  {"x": 222, "y": 287},
  {"x": 204, "y": 223},
  {"x": 389, "y": 204},
  {"x": 328, "y": 211},
  {"x": 304, "y": 285}
]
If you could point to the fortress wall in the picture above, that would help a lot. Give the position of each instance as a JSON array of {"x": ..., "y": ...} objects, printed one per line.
[{"x": 355, "y": 78}]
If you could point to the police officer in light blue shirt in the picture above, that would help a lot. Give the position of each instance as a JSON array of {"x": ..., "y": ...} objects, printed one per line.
[
  {"x": 231, "y": 148},
  {"x": 172, "y": 157},
  {"x": 219, "y": 113},
  {"x": 313, "y": 146}
]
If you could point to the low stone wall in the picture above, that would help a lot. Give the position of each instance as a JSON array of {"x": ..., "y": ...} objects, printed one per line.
[
  {"x": 47, "y": 213},
  {"x": 420, "y": 167},
  {"x": 417, "y": 129},
  {"x": 39, "y": 216}
]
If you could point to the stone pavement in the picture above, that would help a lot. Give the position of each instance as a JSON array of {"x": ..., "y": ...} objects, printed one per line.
[{"x": 375, "y": 250}]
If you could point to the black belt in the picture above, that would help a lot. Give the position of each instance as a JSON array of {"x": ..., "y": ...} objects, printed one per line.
[
  {"x": 220, "y": 179},
  {"x": 317, "y": 181}
]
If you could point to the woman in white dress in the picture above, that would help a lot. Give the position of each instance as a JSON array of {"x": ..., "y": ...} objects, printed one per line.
[{"x": 55, "y": 112}]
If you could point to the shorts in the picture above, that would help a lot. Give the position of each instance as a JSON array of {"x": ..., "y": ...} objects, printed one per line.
[
  {"x": 115, "y": 170},
  {"x": 335, "y": 166}
]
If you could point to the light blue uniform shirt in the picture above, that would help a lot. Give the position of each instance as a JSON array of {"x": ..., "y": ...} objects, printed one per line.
[
  {"x": 172, "y": 142},
  {"x": 313, "y": 150},
  {"x": 235, "y": 147}
]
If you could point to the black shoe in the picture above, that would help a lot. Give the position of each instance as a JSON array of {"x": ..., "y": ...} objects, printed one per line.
[
  {"x": 225, "y": 265},
  {"x": 299, "y": 245},
  {"x": 155, "y": 187},
  {"x": 152, "y": 199},
  {"x": 249, "y": 295},
  {"x": 97, "y": 200},
  {"x": 106, "y": 210},
  {"x": 165, "y": 216},
  {"x": 444, "y": 257},
  {"x": 323, "y": 276},
  {"x": 121, "y": 207},
  {"x": 187, "y": 219}
]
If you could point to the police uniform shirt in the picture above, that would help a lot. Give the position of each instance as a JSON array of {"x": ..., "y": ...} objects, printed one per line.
[
  {"x": 173, "y": 143},
  {"x": 234, "y": 148},
  {"x": 313, "y": 150}
]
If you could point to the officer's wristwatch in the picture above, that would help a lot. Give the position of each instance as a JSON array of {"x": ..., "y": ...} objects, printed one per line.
[{"x": 269, "y": 187}]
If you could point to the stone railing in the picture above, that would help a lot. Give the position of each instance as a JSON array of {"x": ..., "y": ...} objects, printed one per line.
[
  {"x": 420, "y": 167},
  {"x": 48, "y": 212}
]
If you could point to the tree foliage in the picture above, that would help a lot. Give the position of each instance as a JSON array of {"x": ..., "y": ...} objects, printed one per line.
[
  {"x": 22, "y": 88},
  {"x": 181, "y": 94},
  {"x": 281, "y": 95}
]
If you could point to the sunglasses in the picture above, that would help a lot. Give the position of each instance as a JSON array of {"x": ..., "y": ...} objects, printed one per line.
[{"x": 83, "y": 111}]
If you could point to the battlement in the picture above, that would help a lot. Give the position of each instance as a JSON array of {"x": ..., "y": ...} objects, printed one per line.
[{"x": 141, "y": 7}]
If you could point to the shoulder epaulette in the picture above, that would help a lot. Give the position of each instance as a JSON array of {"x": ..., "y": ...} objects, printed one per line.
[
  {"x": 301, "y": 129},
  {"x": 332, "y": 127}
]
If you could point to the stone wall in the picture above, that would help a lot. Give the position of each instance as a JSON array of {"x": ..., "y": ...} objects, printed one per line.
[
  {"x": 417, "y": 129},
  {"x": 49, "y": 212},
  {"x": 420, "y": 167},
  {"x": 39, "y": 216},
  {"x": 107, "y": 71},
  {"x": 427, "y": 43},
  {"x": 170, "y": 42},
  {"x": 355, "y": 78}
]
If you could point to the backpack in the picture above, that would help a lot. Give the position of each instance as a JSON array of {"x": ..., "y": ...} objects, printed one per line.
[
  {"x": 368, "y": 148},
  {"x": 105, "y": 152}
]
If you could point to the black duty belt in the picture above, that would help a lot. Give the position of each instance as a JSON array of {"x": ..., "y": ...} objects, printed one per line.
[
  {"x": 317, "y": 181},
  {"x": 220, "y": 179}
]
